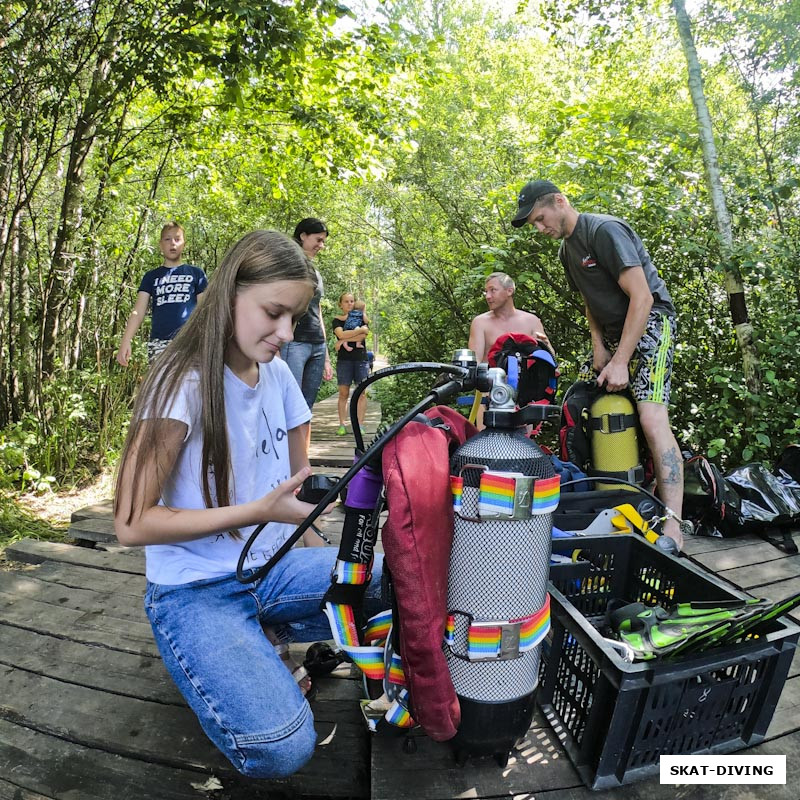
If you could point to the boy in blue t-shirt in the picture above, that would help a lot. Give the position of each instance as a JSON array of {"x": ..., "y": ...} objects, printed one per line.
[{"x": 173, "y": 289}]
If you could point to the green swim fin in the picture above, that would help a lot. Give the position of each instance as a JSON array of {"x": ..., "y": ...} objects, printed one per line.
[
  {"x": 656, "y": 632},
  {"x": 721, "y": 633},
  {"x": 751, "y": 624}
]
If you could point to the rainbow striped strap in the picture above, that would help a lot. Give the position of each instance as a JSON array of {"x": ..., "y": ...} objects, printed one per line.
[
  {"x": 369, "y": 659},
  {"x": 397, "y": 715},
  {"x": 498, "y": 494},
  {"x": 394, "y": 671},
  {"x": 450, "y": 630},
  {"x": 546, "y": 494},
  {"x": 350, "y": 573},
  {"x": 511, "y": 495},
  {"x": 489, "y": 641},
  {"x": 378, "y": 627},
  {"x": 457, "y": 488}
]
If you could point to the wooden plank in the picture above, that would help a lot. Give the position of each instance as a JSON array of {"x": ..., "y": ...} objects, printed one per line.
[
  {"x": 787, "y": 713},
  {"x": 327, "y": 450},
  {"x": 694, "y": 545},
  {"x": 104, "y": 509},
  {"x": 331, "y": 454},
  {"x": 758, "y": 552},
  {"x": 161, "y": 733},
  {"x": 48, "y": 766},
  {"x": 139, "y": 675},
  {"x": 756, "y": 574},
  {"x": 31, "y": 551},
  {"x": 794, "y": 669},
  {"x": 779, "y": 591},
  {"x": 107, "y": 604},
  {"x": 10, "y": 791},
  {"x": 90, "y": 627},
  {"x": 432, "y": 774},
  {"x": 92, "y": 529},
  {"x": 78, "y": 576}
]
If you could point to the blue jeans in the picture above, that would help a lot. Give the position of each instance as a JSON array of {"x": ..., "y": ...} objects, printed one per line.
[
  {"x": 210, "y": 637},
  {"x": 306, "y": 360}
]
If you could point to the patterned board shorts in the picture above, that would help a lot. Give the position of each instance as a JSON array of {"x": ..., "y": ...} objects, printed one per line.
[
  {"x": 155, "y": 347},
  {"x": 651, "y": 365}
]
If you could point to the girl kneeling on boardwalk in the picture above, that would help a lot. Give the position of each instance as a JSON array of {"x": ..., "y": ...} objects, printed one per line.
[{"x": 216, "y": 446}]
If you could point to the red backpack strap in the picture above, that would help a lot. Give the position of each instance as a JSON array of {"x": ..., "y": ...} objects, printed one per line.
[{"x": 416, "y": 538}]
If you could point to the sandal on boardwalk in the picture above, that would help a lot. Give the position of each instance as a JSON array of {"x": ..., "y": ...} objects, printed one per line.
[{"x": 299, "y": 672}]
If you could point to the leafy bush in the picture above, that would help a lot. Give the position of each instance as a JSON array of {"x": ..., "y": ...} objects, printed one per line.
[{"x": 16, "y": 523}]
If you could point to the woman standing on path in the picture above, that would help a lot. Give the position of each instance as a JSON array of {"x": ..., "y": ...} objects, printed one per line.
[
  {"x": 307, "y": 356},
  {"x": 352, "y": 366}
]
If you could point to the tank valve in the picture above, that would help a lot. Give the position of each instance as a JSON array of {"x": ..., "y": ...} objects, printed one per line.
[{"x": 502, "y": 394}]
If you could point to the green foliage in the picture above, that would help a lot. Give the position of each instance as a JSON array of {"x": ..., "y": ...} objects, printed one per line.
[
  {"x": 409, "y": 133},
  {"x": 604, "y": 112},
  {"x": 17, "y": 523},
  {"x": 83, "y": 431},
  {"x": 19, "y": 447},
  {"x": 225, "y": 117}
]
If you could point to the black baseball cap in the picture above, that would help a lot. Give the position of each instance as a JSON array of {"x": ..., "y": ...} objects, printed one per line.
[{"x": 531, "y": 192}]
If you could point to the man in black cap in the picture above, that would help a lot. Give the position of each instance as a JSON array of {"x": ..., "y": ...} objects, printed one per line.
[{"x": 631, "y": 319}]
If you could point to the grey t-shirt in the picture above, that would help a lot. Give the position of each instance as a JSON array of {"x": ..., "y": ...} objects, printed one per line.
[{"x": 594, "y": 256}]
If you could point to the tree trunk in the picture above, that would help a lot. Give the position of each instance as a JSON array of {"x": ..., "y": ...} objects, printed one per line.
[
  {"x": 733, "y": 283},
  {"x": 23, "y": 360},
  {"x": 6, "y": 321},
  {"x": 62, "y": 271}
]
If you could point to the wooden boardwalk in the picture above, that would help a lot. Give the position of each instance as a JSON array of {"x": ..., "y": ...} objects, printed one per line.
[{"x": 87, "y": 710}]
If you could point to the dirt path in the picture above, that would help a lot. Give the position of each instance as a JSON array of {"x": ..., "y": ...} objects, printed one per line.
[{"x": 56, "y": 508}]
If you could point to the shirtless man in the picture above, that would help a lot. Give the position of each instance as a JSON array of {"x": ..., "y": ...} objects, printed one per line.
[{"x": 502, "y": 317}]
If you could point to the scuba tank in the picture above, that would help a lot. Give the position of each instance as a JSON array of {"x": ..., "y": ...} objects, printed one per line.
[
  {"x": 505, "y": 490},
  {"x": 496, "y": 611},
  {"x": 614, "y": 440}
]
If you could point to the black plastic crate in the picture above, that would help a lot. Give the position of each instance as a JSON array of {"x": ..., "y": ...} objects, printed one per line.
[{"x": 616, "y": 719}]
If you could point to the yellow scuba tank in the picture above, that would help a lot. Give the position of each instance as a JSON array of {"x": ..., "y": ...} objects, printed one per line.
[{"x": 614, "y": 440}]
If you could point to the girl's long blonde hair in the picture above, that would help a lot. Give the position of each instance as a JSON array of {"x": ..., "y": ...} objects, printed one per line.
[{"x": 257, "y": 258}]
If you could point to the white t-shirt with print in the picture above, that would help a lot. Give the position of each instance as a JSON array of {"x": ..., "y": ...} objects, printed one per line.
[{"x": 259, "y": 419}]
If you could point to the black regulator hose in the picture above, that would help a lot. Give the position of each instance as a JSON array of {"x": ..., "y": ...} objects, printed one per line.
[
  {"x": 412, "y": 366},
  {"x": 604, "y": 479},
  {"x": 438, "y": 395}
]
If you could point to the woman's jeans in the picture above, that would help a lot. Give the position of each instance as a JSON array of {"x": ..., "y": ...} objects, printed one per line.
[
  {"x": 306, "y": 360},
  {"x": 210, "y": 636}
]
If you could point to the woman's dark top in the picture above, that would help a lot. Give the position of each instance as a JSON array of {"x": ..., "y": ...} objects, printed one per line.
[
  {"x": 357, "y": 353},
  {"x": 309, "y": 326}
]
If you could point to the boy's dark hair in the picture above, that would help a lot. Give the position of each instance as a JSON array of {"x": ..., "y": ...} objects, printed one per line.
[{"x": 309, "y": 225}]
